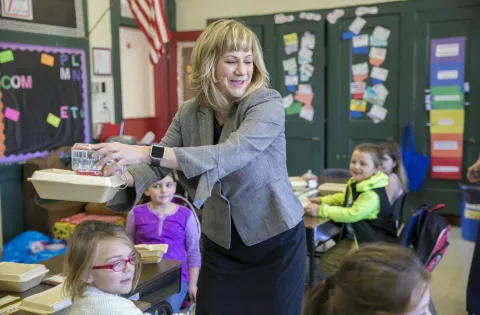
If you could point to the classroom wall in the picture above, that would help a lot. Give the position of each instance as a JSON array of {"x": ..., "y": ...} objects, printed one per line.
[
  {"x": 193, "y": 14},
  {"x": 101, "y": 37}
]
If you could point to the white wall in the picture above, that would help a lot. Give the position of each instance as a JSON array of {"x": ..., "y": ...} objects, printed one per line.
[
  {"x": 193, "y": 14},
  {"x": 101, "y": 37}
]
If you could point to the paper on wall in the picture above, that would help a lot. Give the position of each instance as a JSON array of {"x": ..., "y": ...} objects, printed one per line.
[
  {"x": 291, "y": 43},
  {"x": 381, "y": 33},
  {"x": 381, "y": 91},
  {"x": 378, "y": 53},
  {"x": 287, "y": 101},
  {"x": 310, "y": 16},
  {"x": 360, "y": 69},
  {"x": 333, "y": 16},
  {"x": 308, "y": 40},
  {"x": 307, "y": 69},
  {"x": 291, "y": 80},
  {"x": 306, "y": 99},
  {"x": 282, "y": 18},
  {"x": 377, "y": 113},
  {"x": 377, "y": 42},
  {"x": 305, "y": 54},
  {"x": 305, "y": 89},
  {"x": 379, "y": 73},
  {"x": 358, "y": 106},
  {"x": 290, "y": 39},
  {"x": 290, "y": 65},
  {"x": 447, "y": 50},
  {"x": 360, "y": 41},
  {"x": 360, "y": 11},
  {"x": 357, "y": 25},
  {"x": 372, "y": 97},
  {"x": 307, "y": 112}
]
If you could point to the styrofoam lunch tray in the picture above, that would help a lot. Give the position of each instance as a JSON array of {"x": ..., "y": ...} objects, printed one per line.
[
  {"x": 60, "y": 184},
  {"x": 20, "y": 272},
  {"x": 47, "y": 302},
  {"x": 18, "y": 277},
  {"x": 151, "y": 250}
]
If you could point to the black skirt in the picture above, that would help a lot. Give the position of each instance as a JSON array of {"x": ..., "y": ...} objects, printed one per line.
[{"x": 266, "y": 278}]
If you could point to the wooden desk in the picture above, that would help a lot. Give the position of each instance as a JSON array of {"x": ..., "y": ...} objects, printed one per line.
[
  {"x": 319, "y": 229},
  {"x": 157, "y": 283}
]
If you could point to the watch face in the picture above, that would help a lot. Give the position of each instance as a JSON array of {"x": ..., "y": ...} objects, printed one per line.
[{"x": 157, "y": 152}]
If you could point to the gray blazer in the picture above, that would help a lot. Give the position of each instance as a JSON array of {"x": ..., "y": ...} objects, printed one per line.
[{"x": 244, "y": 177}]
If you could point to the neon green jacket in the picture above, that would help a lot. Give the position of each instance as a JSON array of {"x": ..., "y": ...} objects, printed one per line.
[{"x": 365, "y": 207}]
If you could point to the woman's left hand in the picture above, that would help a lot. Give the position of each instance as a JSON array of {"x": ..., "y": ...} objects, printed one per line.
[
  {"x": 192, "y": 293},
  {"x": 122, "y": 154}
]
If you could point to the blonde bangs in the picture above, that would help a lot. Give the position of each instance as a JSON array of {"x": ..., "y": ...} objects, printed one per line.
[{"x": 218, "y": 38}]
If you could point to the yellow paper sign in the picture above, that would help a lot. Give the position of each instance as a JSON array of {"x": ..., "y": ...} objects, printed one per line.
[
  {"x": 53, "y": 120},
  {"x": 358, "y": 106},
  {"x": 447, "y": 121},
  {"x": 47, "y": 60},
  {"x": 290, "y": 39}
]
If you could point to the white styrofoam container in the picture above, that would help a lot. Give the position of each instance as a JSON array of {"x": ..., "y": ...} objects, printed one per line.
[
  {"x": 59, "y": 184},
  {"x": 18, "y": 277},
  {"x": 151, "y": 250},
  {"x": 47, "y": 302}
]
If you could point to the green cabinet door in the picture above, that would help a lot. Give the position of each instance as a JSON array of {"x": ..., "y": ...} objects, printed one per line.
[
  {"x": 343, "y": 131},
  {"x": 305, "y": 138},
  {"x": 436, "y": 24}
]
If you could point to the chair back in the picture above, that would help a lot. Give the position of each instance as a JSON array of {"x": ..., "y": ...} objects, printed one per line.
[
  {"x": 184, "y": 202},
  {"x": 427, "y": 235},
  {"x": 397, "y": 209}
]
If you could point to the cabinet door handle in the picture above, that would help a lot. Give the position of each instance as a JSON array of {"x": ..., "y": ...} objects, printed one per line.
[{"x": 315, "y": 139}]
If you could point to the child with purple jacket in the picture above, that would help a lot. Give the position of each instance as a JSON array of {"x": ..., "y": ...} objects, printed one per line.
[{"x": 161, "y": 221}]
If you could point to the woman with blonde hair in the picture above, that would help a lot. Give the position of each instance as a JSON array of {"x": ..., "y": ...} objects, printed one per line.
[{"x": 229, "y": 145}]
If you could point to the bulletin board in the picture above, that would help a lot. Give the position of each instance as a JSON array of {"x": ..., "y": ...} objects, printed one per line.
[
  {"x": 52, "y": 17},
  {"x": 43, "y": 100}
]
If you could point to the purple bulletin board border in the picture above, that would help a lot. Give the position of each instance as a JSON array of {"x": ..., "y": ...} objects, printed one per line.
[{"x": 86, "y": 114}]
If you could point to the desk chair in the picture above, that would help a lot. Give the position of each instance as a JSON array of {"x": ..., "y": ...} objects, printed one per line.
[
  {"x": 427, "y": 235},
  {"x": 336, "y": 172}
]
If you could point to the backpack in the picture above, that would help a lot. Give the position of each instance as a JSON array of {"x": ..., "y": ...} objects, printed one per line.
[{"x": 427, "y": 235}]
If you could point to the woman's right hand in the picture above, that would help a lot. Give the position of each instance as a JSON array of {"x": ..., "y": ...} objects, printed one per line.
[{"x": 315, "y": 200}]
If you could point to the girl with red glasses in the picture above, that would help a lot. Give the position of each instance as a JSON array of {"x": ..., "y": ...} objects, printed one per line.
[{"x": 101, "y": 264}]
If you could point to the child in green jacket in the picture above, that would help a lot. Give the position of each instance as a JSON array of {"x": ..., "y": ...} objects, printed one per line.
[{"x": 364, "y": 206}]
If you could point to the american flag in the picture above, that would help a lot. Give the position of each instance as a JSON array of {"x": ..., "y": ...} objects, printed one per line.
[{"x": 151, "y": 18}]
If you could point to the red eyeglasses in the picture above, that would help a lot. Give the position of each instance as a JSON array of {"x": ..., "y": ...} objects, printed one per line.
[{"x": 121, "y": 264}]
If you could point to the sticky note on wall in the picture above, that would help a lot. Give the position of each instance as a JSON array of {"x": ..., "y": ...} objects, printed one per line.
[
  {"x": 53, "y": 120},
  {"x": 6, "y": 56},
  {"x": 12, "y": 114},
  {"x": 47, "y": 60}
]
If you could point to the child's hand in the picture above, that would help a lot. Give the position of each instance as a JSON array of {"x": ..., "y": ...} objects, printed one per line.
[
  {"x": 192, "y": 293},
  {"x": 311, "y": 209},
  {"x": 315, "y": 200}
]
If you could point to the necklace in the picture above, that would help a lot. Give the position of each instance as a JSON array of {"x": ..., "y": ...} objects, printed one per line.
[{"x": 217, "y": 126}]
